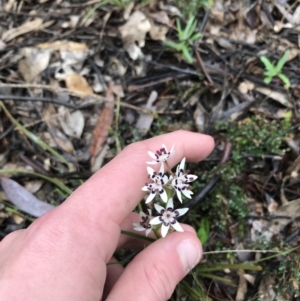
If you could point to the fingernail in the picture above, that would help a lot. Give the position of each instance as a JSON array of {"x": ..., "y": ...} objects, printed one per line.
[{"x": 189, "y": 254}]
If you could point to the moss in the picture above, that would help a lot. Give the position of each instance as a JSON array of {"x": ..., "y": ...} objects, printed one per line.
[{"x": 254, "y": 137}]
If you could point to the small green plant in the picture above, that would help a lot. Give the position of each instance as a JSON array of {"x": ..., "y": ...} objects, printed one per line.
[
  {"x": 186, "y": 37},
  {"x": 203, "y": 231},
  {"x": 272, "y": 70}
]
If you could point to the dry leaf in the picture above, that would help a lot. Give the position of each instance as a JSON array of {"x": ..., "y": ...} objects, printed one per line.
[
  {"x": 199, "y": 118},
  {"x": 242, "y": 288},
  {"x": 116, "y": 67},
  {"x": 250, "y": 278},
  {"x": 145, "y": 120},
  {"x": 265, "y": 290},
  {"x": 101, "y": 130},
  {"x": 98, "y": 162},
  {"x": 135, "y": 30},
  {"x": 170, "y": 9},
  {"x": 291, "y": 210},
  {"x": 24, "y": 28},
  {"x": 72, "y": 53},
  {"x": 9, "y": 4},
  {"x": 23, "y": 199},
  {"x": 158, "y": 32},
  {"x": 71, "y": 123},
  {"x": 78, "y": 84},
  {"x": 34, "y": 62},
  {"x": 280, "y": 97},
  {"x": 64, "y": 46},
  {"x": 17, "y": 219},
  {"x": 34, "y": 186},
  {"x": 57, "y": 139}
]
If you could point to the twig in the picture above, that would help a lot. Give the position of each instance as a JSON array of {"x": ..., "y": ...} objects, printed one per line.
[
  {"x": 42, "y": 99},
  {"x": 213, "y": 181},
  {"x": 94, "y": 97},
  {"x": 199, "y": 59}
]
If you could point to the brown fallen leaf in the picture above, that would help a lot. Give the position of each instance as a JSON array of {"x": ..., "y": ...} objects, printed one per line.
[
  {"x": 78, "y": 84},
  {"x": 34, "y": 62},
  {"x": 24, "y": 28},
  {"x": 279, "y": 97},
  {"x": 23, "y": 199},
  {"x": 101, "y": 130},
  {"x": 64, "y": 45},
  {"x": 242, "y": 288}
]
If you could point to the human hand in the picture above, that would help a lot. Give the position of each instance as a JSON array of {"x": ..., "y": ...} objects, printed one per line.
[{"x": 63, "y": 255}]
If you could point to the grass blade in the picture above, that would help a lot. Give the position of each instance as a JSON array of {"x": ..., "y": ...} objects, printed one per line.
[{"x": 33, "y": 137}]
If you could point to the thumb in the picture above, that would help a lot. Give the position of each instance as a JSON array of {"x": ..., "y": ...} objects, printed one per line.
[{"x": 155, "y": 272}]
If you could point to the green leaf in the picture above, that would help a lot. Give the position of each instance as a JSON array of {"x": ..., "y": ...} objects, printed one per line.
[
  {"x": 282, "y": 61},
  {"x": 285, "y": 79},
  {"x": 203, "y": 231},
  {"x": 195, "y": 36},
  {"x": 190, "y": 27},
  {"x": 179, "y": 29},
  {"x": 270, "y": 73},
  {"x": 186, "y": 54},
  {"x": 173, "y": 45},
  {"x": 269, "y": 66},
  {"x": 267, "y": 80}
]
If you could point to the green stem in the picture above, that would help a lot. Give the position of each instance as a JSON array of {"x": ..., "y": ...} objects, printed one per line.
[
  {"x": 56, "y": 182},
  {"x": 132, "y": 234},
  {"x": 33, "y": 137}
]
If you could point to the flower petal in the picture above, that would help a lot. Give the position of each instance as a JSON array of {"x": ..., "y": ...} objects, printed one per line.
[
  {"x": 158, "y": 208},
  {"x": 150, "y": 170},
  {"x": 148, "y": 231},
  {"x": 155, "y": 221},
  {"x": 150, "y": 197},
  {"x": 142, "y": 214},
  {"x": 162, "y": 169},
  {"x": 164, "y": 230},
  {"x": 179, "y": 196},
  {"x": 182, "y": 211},
  {"x": 177, "y": 227},
  {"x": 191, "y": 178},
  {"x": 152, "y": 162},
  {"x": 164, "y": 196},
  {"x": 187, "y": 193},
  {"x": 182, "y": 163},
  {"x": 145, "y": 188},
  {"x": 170, "y": 203},
  {"x": 152, "y": 155},
  {"x": 138, "y": 227}
]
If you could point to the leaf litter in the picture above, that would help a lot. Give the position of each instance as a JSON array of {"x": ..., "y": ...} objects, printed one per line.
[{"x": 78, "y": 82}]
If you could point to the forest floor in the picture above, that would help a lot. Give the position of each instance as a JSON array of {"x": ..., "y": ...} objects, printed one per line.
[{"x": 80, "y": 80}]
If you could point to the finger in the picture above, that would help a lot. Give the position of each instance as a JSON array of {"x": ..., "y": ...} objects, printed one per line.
[
  {"x": 117, "y": 186},
  {"x": 112, "y": 193},
  {"x": 155, "y": 272},
  {"x": 114, "y": 271}
]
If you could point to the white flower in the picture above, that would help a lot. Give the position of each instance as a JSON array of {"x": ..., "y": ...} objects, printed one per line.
[
  {"x": 159, "y": 180},
  {"x": 161, "y": 155},
  {"x": 168, "y": 217},
  {"x": 144, "y": 224},
  {"x": 179, "y": 183}
]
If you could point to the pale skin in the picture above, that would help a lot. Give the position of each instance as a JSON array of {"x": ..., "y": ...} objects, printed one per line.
[{"x": 63, "y": 255}]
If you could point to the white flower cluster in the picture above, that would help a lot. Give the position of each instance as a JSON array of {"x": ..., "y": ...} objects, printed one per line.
[{"x": 163, "y": 184}]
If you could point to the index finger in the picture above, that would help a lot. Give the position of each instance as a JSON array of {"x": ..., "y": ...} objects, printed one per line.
[{"x": 105, "y": 200}]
